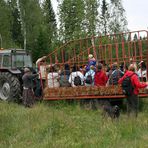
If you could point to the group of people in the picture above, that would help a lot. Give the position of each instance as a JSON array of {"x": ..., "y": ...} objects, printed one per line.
[
  {"x": 92, "y": 74},
  {"x": 88, "y": 75}
]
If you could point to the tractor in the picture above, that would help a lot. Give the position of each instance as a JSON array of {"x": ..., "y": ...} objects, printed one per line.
[{"x": 12, "y": 63}]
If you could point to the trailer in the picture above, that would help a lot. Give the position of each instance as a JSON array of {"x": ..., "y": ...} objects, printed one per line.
[{"x": 119, "y": 48}]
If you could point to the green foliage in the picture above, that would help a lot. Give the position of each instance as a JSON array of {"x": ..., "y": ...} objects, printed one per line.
[
  {"x": 50, "y": 21},
  {"x": 41, "y": 44},
  {"x": 16, "y": 24},
  {"x": 32, "y": 25},
  {"x": 5, "y": 19},
  {"x": 91, "y": 16},
  {"x": 71, "y": 19},
  {"x": 118, "y": 22},
  {"x": 104, "y": 17}
]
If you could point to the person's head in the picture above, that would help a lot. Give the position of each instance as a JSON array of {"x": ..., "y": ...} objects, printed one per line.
[
  {"x": 99, "y": 67},
  {"x": 142, "y": 65},
  {"x": 56, "y": 67},
  {"x": 26, "y": 70},
  {"x": 92, "y": 67},
  {"x": 82, "y": 68},
  {"x": 114, "y": 66},
  {"x": 90, "y": 56},
  {"x": 66, "y": 66},
  {"x": 75, "y": 68},
  {"x": 42, "y": 62},
  {"x": 131, "y": 60},
  {"x": 52, "y": 69},
  {"x": 132, "y": 68}
]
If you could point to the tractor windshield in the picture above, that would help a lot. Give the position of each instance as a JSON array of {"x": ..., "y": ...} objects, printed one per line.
[{"x": 21, "y": 60}]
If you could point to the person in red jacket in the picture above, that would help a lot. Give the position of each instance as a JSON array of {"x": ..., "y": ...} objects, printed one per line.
[
  {"x": 100, "y": 77},
  {"x": 133, "y": 100}
]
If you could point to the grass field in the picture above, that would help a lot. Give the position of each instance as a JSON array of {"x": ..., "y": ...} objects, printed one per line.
[{"x": 60, "y": 125}]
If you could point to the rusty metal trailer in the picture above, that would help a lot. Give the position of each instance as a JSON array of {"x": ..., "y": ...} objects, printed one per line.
[{"x": 108, "y": 49}]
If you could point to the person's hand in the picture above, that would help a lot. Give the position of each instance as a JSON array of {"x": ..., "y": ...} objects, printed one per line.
[{"x": 43, "y": 57}]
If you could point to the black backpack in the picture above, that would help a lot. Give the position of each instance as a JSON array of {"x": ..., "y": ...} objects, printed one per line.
[
  {"x": 77, "y": 81},
  {"x": 127, "y": 86},
  {"x": 89, "y": 79}
]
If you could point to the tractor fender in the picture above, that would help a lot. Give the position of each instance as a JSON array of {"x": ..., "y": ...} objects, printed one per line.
[{"x": 13, "y": 71}]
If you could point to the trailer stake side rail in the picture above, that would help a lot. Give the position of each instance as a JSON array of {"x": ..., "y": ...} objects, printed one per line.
[{"x": 119, "y": 48}]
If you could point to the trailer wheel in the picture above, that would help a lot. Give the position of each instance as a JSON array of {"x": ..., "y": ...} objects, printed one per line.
[{"x": 9, "y": 87}]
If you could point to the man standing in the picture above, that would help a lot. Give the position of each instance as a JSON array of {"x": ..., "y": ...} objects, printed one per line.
[
  {"x": 28, "y": 94},
  {"x": 132, "y": 98}
]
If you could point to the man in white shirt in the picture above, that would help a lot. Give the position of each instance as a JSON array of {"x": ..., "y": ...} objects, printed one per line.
[
  {"x": 74, "y": 74},
  {"x": 53, "y": 78},
  {"x": 40, "y": 63},
  {"x": 142, "y": 72}
]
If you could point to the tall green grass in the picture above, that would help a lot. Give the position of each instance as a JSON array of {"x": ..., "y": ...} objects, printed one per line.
[{"x": 61, "y": 125}]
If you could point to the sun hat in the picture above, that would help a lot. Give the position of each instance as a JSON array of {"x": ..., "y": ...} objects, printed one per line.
[
  {"x": 90, "y": 56},
  {"x": 140, "y": 62}
]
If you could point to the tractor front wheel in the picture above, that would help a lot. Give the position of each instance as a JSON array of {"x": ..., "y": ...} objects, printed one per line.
[{"x": 10, "y": 88}]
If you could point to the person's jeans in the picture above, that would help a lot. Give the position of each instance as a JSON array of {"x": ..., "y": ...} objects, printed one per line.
[{"x": 132, "y": 105}]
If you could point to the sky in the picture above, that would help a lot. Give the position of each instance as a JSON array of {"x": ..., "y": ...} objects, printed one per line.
[{"x": 136, "y": 13}]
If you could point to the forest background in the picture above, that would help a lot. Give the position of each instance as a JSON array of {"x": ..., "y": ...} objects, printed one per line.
[{"x": 33, "y": 24}]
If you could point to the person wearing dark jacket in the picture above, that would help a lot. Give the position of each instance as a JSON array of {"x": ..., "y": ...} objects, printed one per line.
[
  {"x": 114, "y": 75},
  {"x": 133, "y": 100},
  {"x": 28, "y": 93},
  {"x": 64, "y": 76}
]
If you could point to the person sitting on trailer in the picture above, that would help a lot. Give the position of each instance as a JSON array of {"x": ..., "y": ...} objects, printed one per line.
[
  {"x": 76, "y": 78},
  {"x": 100, "y": 78},
  {"x": 83, "y": 69},
  {"x": 89, "y": 76},
  {"x": 53, "y": 77},
  {"x": 114, "y": 75},
  {"x": 64, "y": 76},
  {"x": 142, "y": 72},
  {"x": 91, "y": 61}
]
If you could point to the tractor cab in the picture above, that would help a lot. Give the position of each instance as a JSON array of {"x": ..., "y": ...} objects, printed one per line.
[{"x": 15, "y": 58}]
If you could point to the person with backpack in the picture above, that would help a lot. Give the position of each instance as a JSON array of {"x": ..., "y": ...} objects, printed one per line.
[
  {"x": 89, "y": 76},
  {"x": 131, "y": 85},
  {"x": 100, "y": 78},
  {"x": 76, "y": 78}
]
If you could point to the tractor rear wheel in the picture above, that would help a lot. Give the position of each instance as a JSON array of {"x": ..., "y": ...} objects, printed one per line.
[{"x": 10, "y": 89}]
